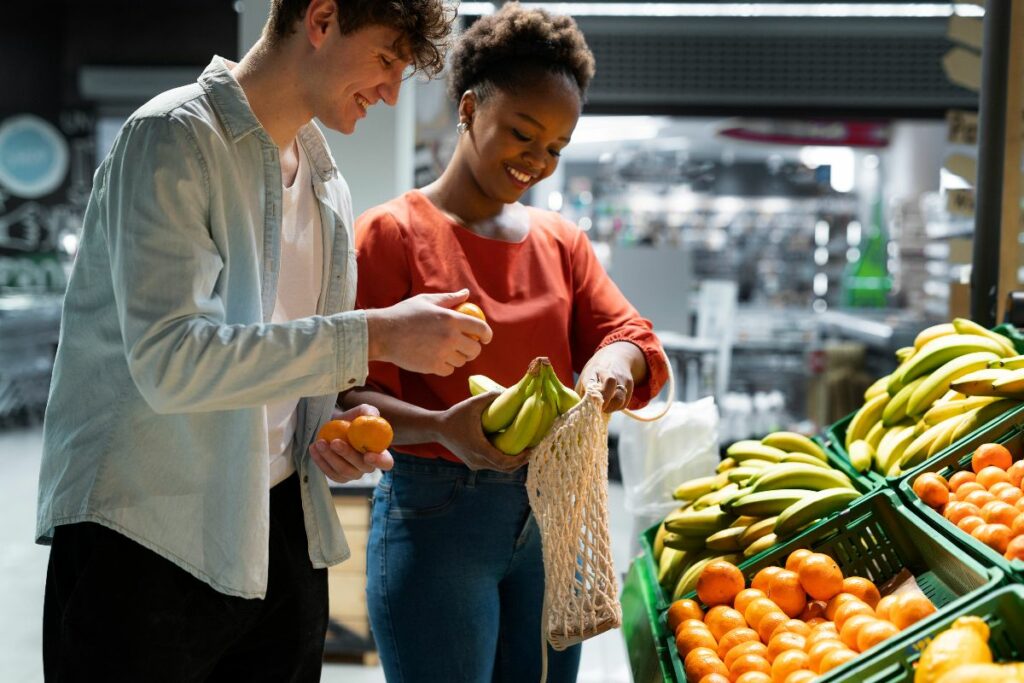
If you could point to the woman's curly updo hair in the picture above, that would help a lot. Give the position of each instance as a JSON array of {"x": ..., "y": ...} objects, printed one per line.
[{"x": 508, "y": 49}]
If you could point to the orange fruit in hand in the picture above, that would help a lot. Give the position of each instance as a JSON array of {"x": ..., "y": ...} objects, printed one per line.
[
  {"x": 932, "y": 489},
  {"x": 863, "y": 589},
  {"x": 852, "y": 626},
  {"x": 681, "y": 610},
  {"x": 370, "y": 434},
  {"x": 719, "y": 583},
  {"x": 795, "y": 558},
  {"x": 991, "y": 455},
  {"x": 874, "y": 633},
  {"x": 689, "y": 639},
  {"x": 787, "y": 662},
  {"x": 835, "y": 658},
  {"x": 761, "y": 579},
  {"x": 748, "y": 595},
  {"x": 702, "y": 661},
  {"x": 734, "y": 638},
  {"x": 850, "y": 609},
  {"x": 750, "y": 647},
  {"x": 820, "y": 576},
  {"x": 784, "y": 590},
  {"x": 722, "y": 619},
  {"x": 471, "y": 309},
  {"x": 909, "y": 608},
  {"x": 335, "y": 429}
]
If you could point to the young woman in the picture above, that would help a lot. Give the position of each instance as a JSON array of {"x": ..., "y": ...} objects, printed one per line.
[{"x": 455, "y": 571}]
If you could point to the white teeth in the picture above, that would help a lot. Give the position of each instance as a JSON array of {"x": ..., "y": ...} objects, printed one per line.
[
  {"x": 362, "y": 102},
  {"x": 519, "y": 175}
]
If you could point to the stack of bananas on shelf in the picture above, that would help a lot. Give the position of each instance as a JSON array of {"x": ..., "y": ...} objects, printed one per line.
[
  {"x": 522, "y": 415},
  {"x": 957, "y": 377},
  {"x": 764, "y": 491}
]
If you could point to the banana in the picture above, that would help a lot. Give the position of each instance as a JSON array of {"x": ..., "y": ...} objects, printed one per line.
[
  {"x": 922, "y": 444},
  {"x": 1011, "y": 363},
  {"x": 726, "y": 540},
  {"x": 482, "y": 384},
  {"x": 680, "y": 542},
  {"x": 567, "y": 398},
  {"x": 756, "y": 531},
  {"x": 700, "y": 522},
  {"x": 658, "y": 544},
  {"x": 943, "y": 411},
  {"x": 521, "y": 432},
  {"x": 767, "y": 503},
  {"x": 727, "y": 501},
  {"x": 875, "y": 435},
  {"x": 797, "y": 475},
  {"x": 758, "y": 464},
  {"x": 695, "y": 488},
  {"x": 1010, "y": 386},
  {"x": 760, "y": 545},
  {"x": 792, "y": 442},
  {"x": 945, "y": 438},
  {"x": 896, "y": 409},
  {"x": 868, "y": 415},
  {"x": 878, "y": 387},
  {"x": 861, "y": 455},
  {"x": 905, "y": 353},
  {"x": 549, "y": 411},
  {"x": 938, "y": 352},
  {"x": 892, "y": 446},
  {"x": 815, "y": 506},
  {"x": 726, "y": 465},
  {"x": 504, "y": 409},
  {"x": 739, "y": 475},
  {"x": 715, "y": 497},
  {"x": 980, "y": 382},
  {"x": 936, "y": 385},
  {"x": 749, "y": 449},
  {"x": 670, "y": 567},
  {"x": 933, "y": 332},
  {"x": 979, "y": 417},
  {"x": 805, "y": 459},
  {"x": 965, "y": 326}
]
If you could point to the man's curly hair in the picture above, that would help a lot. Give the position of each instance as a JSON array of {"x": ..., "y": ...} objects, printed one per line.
[
  {"x": 424, "y": 24},
  {"x": 507, "y": 49}
]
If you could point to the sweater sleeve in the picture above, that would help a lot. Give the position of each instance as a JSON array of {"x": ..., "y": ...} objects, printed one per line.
[
  {"x": 384, "y": 280},
  {"x": 602, "y": 315}
]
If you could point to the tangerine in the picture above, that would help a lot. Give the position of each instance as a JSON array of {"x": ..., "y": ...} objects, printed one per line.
[
  {"x": 473, "y": 310},
  {"x": 803, "y": 676},
  {"x": 747, "y": 663},
  {"x": 1015, "y": 549},
  {"x": 370, "y": 433},
  {"x": 714, "y": 677},
  {"x": 681, "y": 610},
  {"x": 820, "y": 576},
  {"x": 702, "y": 661},
  {"x": 818, "y": 651},
  {"x": 781, "y": 642},
  {"x": 797, "y": 626},
  {"x": 959, "y": 478},
  {"x": 795, "y": 558},
  {"x": 787, "y": 662},
  {"x": 757, "y": 609},
  {"x": 851, "y": 628},
  {"x": 761, "y": 579},
  {"x": 753, "y": 677},
  {"x": 835, "y": 658},
  {"x": 721, "y": 619},
  {"x": 334, "y": 429},
  {"x": 690, "y": 639},
  {"x": 884, "y": 606},
  {"x": 992, "y": 475},
  {"x": 850, "y": 609},
  {"x": 751, "y": 647},
  {"x": 863, "y": 589},
  {"x": 1016, "y": 472},
  {"x": 998, "y": 512},
  {"x": 836, "y": 602},
  {"x": 991, "y": 455},
  {"x": 957, "y": 510},
  {"x": 970, "y": 523},
  {"x": 874, "y": 633},
  {"x": 932, "y": 489},
  {"x": 784, "y": 590},
  {"x": 995, "y": 536},
  {"x": 910, "y": 608},
  {"x": 769, "y": 623},
  {"x": 978, "y": 498},
  {"x": 734, "y": 638},
  {"x": 745, "y": 597},
  {"x": 719, "y": 583}
]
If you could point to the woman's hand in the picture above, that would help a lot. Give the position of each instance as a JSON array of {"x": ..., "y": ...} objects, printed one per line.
[
  {"x": 342, "y": 463},
  {"x": 461, "y": 433},
  {"x": 616, "y": 368}
]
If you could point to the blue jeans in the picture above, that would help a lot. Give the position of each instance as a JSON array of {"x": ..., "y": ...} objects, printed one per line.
[{"x": 455, "y": 577}]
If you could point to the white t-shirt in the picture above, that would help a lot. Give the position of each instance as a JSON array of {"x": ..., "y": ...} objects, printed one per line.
[{"x": 298, "y": 289}]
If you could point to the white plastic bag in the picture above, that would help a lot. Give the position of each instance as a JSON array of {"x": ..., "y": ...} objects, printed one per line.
[{"x": 656, "y": 457}]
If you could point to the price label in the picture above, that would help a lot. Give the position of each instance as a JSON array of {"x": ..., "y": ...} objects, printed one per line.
[
  {"x": 962, "y": 127},
  {"x": 960, "y": 202}
]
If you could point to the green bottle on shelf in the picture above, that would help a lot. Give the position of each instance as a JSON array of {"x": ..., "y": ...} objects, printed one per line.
[{"x": 866, "y": 281}]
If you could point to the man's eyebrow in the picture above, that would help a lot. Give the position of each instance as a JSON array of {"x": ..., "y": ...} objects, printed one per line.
[
  {"x": 400, "y": 48},
  {"x": 535, "y": 122}
]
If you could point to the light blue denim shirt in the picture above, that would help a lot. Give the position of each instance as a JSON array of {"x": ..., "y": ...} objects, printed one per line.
[{"x": 156, "y": 425}]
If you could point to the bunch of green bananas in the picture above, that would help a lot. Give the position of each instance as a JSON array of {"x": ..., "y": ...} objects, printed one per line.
[
  {"x": 957, "y": 377},
  {"x": 764, "y": 491},
  {"x": 522, "y": 415}
]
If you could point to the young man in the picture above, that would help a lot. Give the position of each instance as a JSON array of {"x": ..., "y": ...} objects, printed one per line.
[{"x": 207, "y": 331}]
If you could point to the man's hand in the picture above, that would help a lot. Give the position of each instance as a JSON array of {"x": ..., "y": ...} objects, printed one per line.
[
  {"x": 614, "y": 368},
  {"x": 342, "y": 463},
  {"x": 462, "y": 434},
  {"x": 423, "y": 334}
]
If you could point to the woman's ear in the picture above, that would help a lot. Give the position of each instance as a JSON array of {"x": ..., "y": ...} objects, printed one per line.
[{"x": 467, "y": 107}]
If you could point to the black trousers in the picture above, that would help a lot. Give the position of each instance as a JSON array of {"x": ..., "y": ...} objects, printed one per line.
[{"x": 116, "y": 611}]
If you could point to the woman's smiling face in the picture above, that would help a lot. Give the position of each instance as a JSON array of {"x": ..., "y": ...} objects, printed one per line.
[{"x": 515, "y": 138}]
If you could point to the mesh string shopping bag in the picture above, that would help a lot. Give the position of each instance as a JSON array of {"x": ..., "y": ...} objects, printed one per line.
[{"x": 567, "y": 484}]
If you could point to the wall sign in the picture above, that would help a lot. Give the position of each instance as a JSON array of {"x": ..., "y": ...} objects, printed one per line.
[{"x": 33, "y": 156}]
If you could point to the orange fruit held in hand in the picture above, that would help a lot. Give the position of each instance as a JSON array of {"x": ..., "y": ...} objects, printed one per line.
[
  {"x": 335, "y": 429},
  {"x": 991, "y": 455},
  {"x": 910, "y": 608},
  {"x": 820, "y": 576},
  {"x": 932, "y": 490},
  {"x": 681, "y": 610},
  {"x": 369, "y": 433},
  {"x": 468, "y": 308},
  {"x": 863, "y": 589},
  {"x": 719, "y": 583}
]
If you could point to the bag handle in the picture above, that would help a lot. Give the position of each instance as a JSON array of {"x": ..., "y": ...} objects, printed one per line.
[{"x": 668, "y": 404}]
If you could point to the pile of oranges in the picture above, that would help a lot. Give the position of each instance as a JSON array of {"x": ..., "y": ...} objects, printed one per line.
[
  {"x": 792, "y": 624},
  {"x": 986, "y": 502}
]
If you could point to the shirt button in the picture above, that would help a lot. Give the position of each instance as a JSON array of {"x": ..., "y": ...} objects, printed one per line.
[
  {"x": 305, "y": 479},
  {"x": 351, "y": 381}
]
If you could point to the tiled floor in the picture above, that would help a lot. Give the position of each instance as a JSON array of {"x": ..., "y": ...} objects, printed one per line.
[{"x": 23, "y": 572}]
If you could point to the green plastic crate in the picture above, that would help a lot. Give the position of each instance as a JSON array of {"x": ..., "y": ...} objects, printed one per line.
[
  {"x": 1011, "y": 436},
  {"x": 836, "y": 435},
  {"x": 876, "y": 537},
  {"x": 645, "y": 645},
  {"x": 1002, "y": 610}
]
